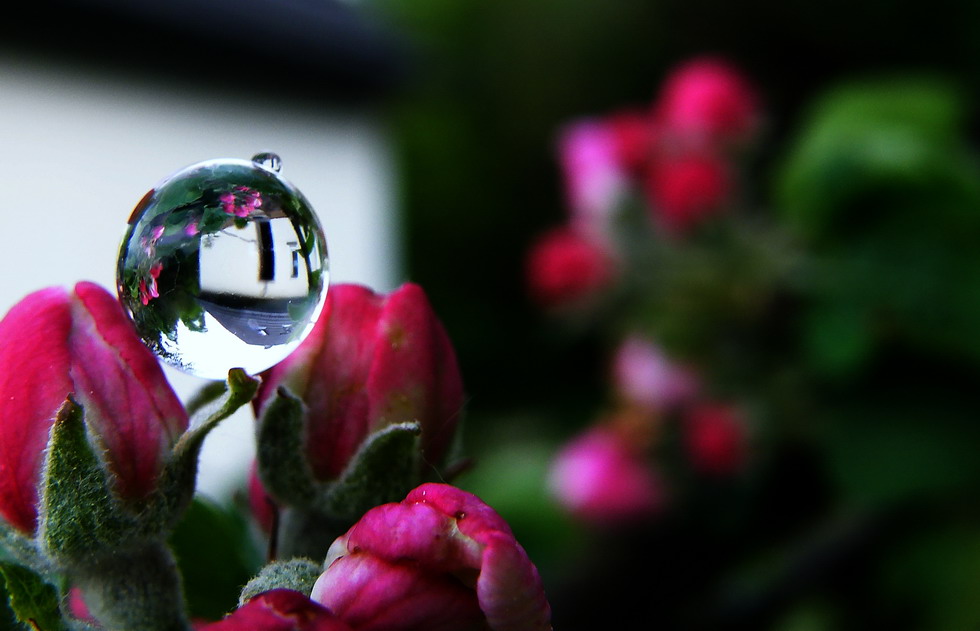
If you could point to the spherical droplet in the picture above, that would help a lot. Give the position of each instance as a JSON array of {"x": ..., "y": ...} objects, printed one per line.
[
  {"x": 269, "y": 160},
  {"x": 224, "y": 265}
]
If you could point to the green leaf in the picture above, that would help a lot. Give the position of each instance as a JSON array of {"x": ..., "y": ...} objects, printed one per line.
[
  {"x": 79, "y": 517},
  {"x": 281, "y": 453},
  {"x": 33, "y": 600},
  {"x": 874, "y": 140},
  {"x": 216, "y": 555},
  {"x": 384, "y": 469}
]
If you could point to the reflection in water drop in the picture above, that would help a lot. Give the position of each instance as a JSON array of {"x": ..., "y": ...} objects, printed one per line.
[{"x": 224, "y": 265}]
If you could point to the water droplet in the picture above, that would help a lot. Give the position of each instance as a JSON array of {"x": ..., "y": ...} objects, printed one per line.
[
  {"x": 269, "y": 160},
  {"x": 224, "y": 265}
]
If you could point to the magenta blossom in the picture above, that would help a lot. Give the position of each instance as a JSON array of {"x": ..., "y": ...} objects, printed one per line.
[
  {"x": 242, "y": 202},
  {"x": 601, "y": 478},
  {"x": 440, "y": 560},
  {"x": 279, "y": 610},
  {"x": 643, "y": 375},
  {"x": 54, "y": 344},
  {"x": 566, "y": 269},
  {"x": 706, "y": 103},
  {"x": 371, "y": 361},
  {"x": 148, "y": 287}
]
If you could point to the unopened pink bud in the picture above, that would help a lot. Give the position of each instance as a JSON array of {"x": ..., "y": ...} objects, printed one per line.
[
  {"x": 440, "y": 560},
  {"x": 372, "y": 361},
  {"x": 54, "y": 344},
  {"x": 279, "y": 610}
]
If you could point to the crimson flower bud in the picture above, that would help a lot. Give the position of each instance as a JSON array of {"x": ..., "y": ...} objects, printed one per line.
[
  {"x": 371, "y": 361},
  {"x": 635, "y": 137},
  {"x": 716, "y": 438},
  {"x": 54, "y": 344},
  {"x": 279, "y": 610},
  {"x": 684, "y": 190},
  {"x": 706, "y": 103},
  {"x": 440, "y": 560},
  {"x": 600, "y": 478},
  {"x": 565, "y": 269}
]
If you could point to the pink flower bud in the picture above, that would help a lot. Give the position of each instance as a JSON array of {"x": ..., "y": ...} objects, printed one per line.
[
  {"x": 601, "y": 479},
  {"x": 566, "y": 269},
  {"x": 440, "y": 560},
  {"x": 279, "y": 610},
  {"x": 705, "y": 103},
  {"x": 685, "y": 190},
  {"x": 716, "y": 439},
  {"x": 643, "y": 375},
  {"x": 372, "y": 361},
  {"x": 54, "y": 343}
]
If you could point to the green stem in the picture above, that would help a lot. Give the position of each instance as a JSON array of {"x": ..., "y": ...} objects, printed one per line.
[{"x": 135, "y": 589}]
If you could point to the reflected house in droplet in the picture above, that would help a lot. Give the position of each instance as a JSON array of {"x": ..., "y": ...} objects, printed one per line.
[{"x": 270, "y": 272}]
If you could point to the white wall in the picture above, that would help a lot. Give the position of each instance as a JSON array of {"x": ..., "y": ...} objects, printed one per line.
[{"x": 79, "y": 148}]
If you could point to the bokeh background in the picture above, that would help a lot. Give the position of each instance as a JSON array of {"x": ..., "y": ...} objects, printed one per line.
[{"x": 856, "y": 507}]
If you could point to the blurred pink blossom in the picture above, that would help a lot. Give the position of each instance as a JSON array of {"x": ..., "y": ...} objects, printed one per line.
[
  {"x": 643, "y": 375},
  {"x": 567, "y": 269},
  {"x": 600, "y": 478},
  {"x": 686, "y": 189},
  {"x": 706, "y": 103},
  {"x": 715, "y": 436},
  {"x": 592, "y": 174}
]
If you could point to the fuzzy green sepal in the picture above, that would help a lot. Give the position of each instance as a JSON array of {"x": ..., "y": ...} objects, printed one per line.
[
  {"x": 280, "y": 451},
  {"x": 297, "y": 574},
  {"x": 79, "y": 518}
]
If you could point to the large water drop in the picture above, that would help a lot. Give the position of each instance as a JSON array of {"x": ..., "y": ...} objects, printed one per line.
[{"x": 224, "y": 265}]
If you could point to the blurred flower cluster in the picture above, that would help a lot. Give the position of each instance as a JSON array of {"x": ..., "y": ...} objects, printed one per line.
[
  {"x": 785, "y": 343},
  {"x": 647, "y": 187}
]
